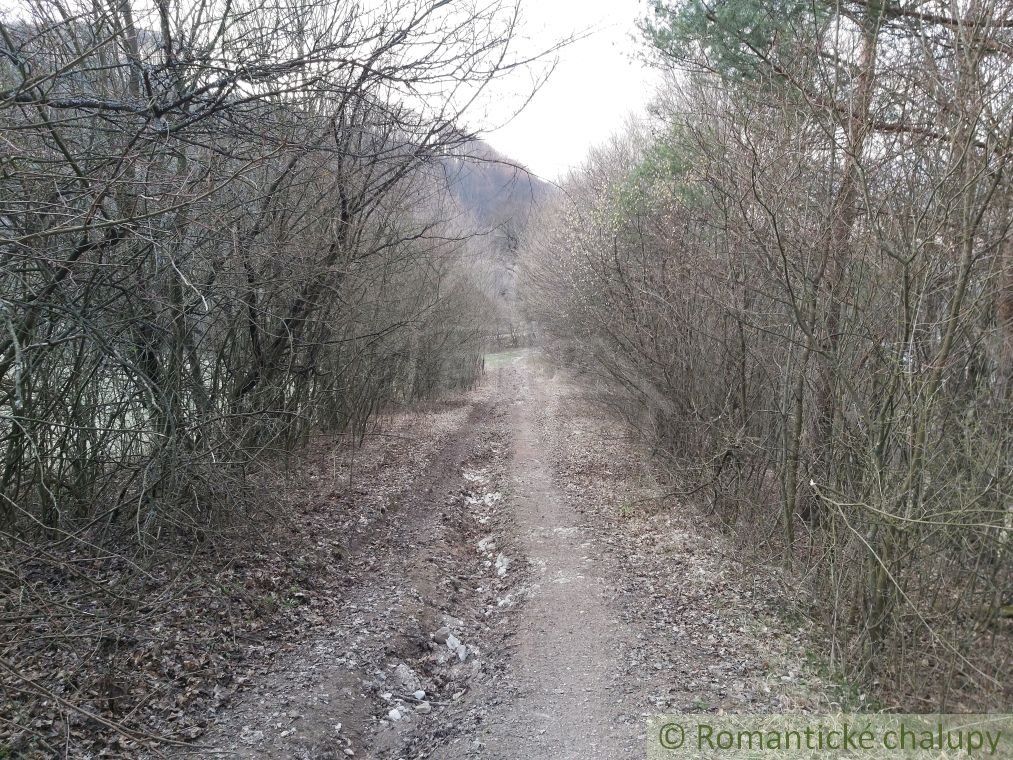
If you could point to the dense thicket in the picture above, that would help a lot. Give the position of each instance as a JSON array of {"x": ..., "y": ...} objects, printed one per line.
[
  {"x": 797, "y": 280},
  {"x": 222, "y": 225}
]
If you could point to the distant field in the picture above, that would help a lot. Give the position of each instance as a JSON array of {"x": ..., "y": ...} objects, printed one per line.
[{"x": 502, "y": 358}]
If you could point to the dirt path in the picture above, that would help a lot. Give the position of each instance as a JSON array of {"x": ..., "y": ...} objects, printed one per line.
[
  {"x": 568, "y": 634},
  {"x": 533, "y": 594}
]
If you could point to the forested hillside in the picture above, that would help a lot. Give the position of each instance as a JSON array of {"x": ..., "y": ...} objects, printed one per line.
[
  {"x": 796, "y": 280},
  {"x": 498, "y": 198}
]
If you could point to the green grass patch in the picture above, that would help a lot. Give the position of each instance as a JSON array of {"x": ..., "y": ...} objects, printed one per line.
[{"x": 502, "y": 358}]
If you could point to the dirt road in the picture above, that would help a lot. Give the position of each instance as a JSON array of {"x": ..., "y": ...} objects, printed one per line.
[
  {"x": 533, "y": 595},
  {"x": 568, "y": 633}
]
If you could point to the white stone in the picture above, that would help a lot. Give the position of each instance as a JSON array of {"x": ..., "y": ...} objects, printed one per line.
[{"x": 407, "y": 678}]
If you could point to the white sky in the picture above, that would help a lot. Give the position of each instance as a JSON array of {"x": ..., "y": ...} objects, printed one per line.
[{"x": 596, "y": 84}]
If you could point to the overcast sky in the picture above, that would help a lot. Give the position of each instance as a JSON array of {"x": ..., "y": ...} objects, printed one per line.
[{"x": 595, "y": 85}]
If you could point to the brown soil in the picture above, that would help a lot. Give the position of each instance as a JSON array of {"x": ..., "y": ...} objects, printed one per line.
[{"x": 588, "y": 602}]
